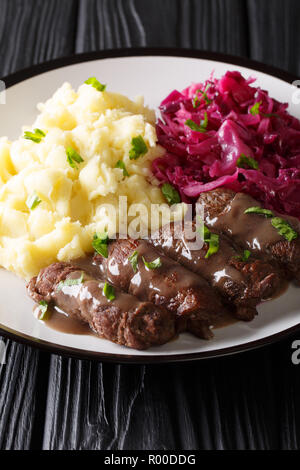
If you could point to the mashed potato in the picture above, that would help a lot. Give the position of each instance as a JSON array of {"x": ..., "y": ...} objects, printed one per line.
[{"x": 74, "y": 202}]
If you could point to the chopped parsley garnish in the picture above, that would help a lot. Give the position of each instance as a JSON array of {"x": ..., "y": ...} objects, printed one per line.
[
  {"x": 122, "y": 166},
  {"x": 171, "y": 195},
  {"x": 198, "y": 128},
  {"x": 153, "y": 264},
  {"x": 213, "y": 245},
  {"x": 36, "y": 136},
  {"x": 259, "y": 211},
  {"x": 43, "y": 310},
  {"x": 196, "y": 101},
  {"x": 206, "y": 233},
  {"x": 245, "y": 256},
  {"x": 284, "y": 228},
  {"x": 255, "y": 108},
  {"x": 73, "y": 157},
  {"x": 100, "y": 244},
  {"x": 213, "y": 241},
  {"x": 138, "y": 148},
  {"x": 134, "y": 260},
  {"x": 268, "y": 115},
  {"x": 96, "y": 84},
  {"x": 33, "y": 201},
  {"x": 109, "y": 291},
  {"x": 247, "y": 162},
  {"x": 205, "y": 121},
  {"x": 192, "y": 125},
  {"x": 200, "y": 227},
  {"x": 70, "y": 282}
]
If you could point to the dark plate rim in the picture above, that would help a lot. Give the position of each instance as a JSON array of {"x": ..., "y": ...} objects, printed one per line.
[
  {"x": 47, "y": 66},
  {"x": 44, "y": 67}
]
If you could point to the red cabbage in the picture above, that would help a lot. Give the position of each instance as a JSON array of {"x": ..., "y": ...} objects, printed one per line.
[{"x": 242, "y": 120}]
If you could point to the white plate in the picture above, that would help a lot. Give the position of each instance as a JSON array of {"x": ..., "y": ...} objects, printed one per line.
[{"x": 153, "y": 74}]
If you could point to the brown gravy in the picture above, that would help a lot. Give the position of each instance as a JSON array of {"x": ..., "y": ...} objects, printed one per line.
[
  {"x": 87, "y": 264},
  {"x": 283, "y": 288},
  {"x": 153, "y": 279},
  {"x": 60, "y": 321},
  {"x": 251, "y": 231},
  {"x": 215, "y": 269},
  {"x": 224, "y": 319}
]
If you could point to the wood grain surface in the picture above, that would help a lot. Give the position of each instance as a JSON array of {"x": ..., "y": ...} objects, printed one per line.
[{"x": 247, "y": 401}]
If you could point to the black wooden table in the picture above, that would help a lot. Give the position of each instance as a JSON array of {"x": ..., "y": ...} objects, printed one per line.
[{"x": 247, "y": 401}]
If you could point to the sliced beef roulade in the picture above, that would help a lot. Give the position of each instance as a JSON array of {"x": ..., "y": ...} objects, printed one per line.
[
  {"x": 238, "y": 277},
  {"x": 111, "y": 313},
  {"x": 142, "y": 270},
  {"x": 268, "y": 234}
]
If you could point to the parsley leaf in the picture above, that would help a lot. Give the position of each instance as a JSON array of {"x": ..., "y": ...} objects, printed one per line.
[
  {"x": 100, "y": 244},
  {"x": 73, "y": 157},
  {"x": 153, "y": 264},
  {"x": 196, "y": 101},
  {"x": 213, "y": 245},
  {"x": 268, "y": 115},
  {"x": 122, "y": 166},
  {"x": 171, "y": 195},
  {"x": 195, "y": 127},
  {"x": 43, "y": 310},
  {"x": 245, "y": 256},
  {"x": 206, "y": 234},
  {"x": 134, "y": 260},
  {"x": 213, "y": 242},
  {"x": 259, "y": 211},
  {"x": 284, "y": 228},
  {"x": 95, "y": 83},
  {"x": 200, "y": 227},
  {"x": 243, "y": 162},
  {"x": 109, "y": 291},
  {"x": 205, "y": 121},
  {"x": 36, "y": 136},
  {"x": 70, "y": 282},
  {"x": 33, "y": 201},
  {"x": 255, "y": 108},
  {"x": 138, "y": 148}
]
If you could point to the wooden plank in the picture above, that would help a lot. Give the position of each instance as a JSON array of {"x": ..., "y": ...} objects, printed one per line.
[
  {"x": 35, "y": 31},
  {"x": 30, "y": 32},
  {"x": 23, "y": 385},
  {"x": 273, "y": 33},
  {"x": 201, "y": 24},
  {"x": 95, "y": 406},
  {"x": 229, "y": 403}
]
